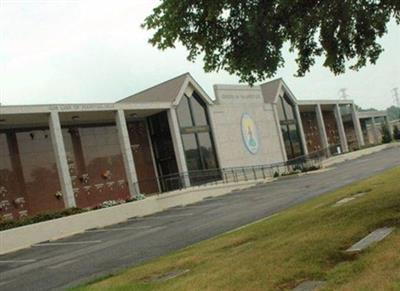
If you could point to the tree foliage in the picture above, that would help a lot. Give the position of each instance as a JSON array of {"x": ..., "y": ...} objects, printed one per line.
[
  {"x": 396, "y": 132},
  {"x": 386, "y": 137},
  {"x": 246, "y": 37},
  {"x": 393, "y": 112}
]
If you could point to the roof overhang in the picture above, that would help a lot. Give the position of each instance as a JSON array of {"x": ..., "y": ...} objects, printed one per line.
[
  {"x": 370, "y": 114},
  {"x": 81, "y": 107},
  {"x": 284, "y": 88},
  {"x": 190, "y": 85},
  {"x": 31, "y": 116},
  {"x": 325, "y": 102}
]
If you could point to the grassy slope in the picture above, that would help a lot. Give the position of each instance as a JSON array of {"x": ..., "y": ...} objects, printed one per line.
[{"x": 305, "y": 242}]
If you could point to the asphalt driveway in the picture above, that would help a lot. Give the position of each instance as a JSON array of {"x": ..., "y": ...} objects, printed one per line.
[{"x": 67, "y": 262}]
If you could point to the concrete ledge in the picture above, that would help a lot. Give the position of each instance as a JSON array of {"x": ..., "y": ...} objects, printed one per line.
[
  {"x": 25, "y": 236},
  {"x": 357, "y": 154}
]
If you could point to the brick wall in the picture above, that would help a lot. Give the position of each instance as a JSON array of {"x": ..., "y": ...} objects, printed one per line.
[
  {"x": 143, "y": 158},
  {"x": 311, "y": 131},
  {"x": 28, "y": 174},
  {"x": 331, "y": 127},
  {"x": 95, "y": 164}
]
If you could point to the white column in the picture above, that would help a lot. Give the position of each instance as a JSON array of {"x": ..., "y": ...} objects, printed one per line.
[
  {"x": 61, "y": 160},
  {"x": 340, "y": 126},
  {"x": 178, "y": 146},
  {"x": 375, "y": 130},
  {"x": 357, "y": 126},
  {"x": 278, "y": 128},
  {"x": 321, "y": 126},
  {"x": 127, "y": 156},
  {"x": 213, "y": 133},
  {"x": 300, "y": 126}
]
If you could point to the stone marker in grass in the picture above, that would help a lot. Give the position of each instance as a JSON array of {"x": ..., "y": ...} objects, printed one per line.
[
  {"x": 166, "y": 276},
  {"x": 373, "y": 237},
  {"x": 343, "y": 201},
  {"x": 358, "y": 195},
  {"x": 348, "y": 199},
  {"x": 309, "y": 286}
]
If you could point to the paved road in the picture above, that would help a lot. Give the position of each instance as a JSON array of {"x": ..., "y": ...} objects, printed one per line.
[{"x": 70, "y": 261}]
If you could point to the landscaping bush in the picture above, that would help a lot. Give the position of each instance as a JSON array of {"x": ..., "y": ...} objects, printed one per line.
[
  {"x": 311, "y": 168},
  {"x": 386, "y": 138},
  {"x": 7, "y": 224},
  {"x": 396, "y": 132}
]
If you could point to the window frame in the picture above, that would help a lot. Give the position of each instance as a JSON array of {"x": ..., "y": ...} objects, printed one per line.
[
  {"x": 287, "y": 123},
  {"x": 196, "y": 129}
]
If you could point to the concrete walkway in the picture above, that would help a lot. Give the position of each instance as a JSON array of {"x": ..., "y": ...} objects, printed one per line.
[{"x": 357, "y": 154}]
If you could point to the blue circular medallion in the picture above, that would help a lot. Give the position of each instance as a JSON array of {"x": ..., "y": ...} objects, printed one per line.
[{"x": 249, "y": 133}]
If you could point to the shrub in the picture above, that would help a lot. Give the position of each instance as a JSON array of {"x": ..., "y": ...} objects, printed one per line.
[
  {"x": 7, "y": 224},
  {"x": 276, "y": 174},
  {"x": 297, "y": 169},
  {"x": 311, "y": 168},
  {"x": 386, "y": 138},
  {"x": 396, "y": 132}
]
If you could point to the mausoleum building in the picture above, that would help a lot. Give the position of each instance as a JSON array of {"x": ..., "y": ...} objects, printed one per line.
[{"x": 170, "y": 136}]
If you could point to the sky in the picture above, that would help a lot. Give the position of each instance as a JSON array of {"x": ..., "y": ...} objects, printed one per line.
[{"x": 78, "y": 51}]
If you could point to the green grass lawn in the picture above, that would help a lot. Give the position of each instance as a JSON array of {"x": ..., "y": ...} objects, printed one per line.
[{"x": 303, "y": 243}]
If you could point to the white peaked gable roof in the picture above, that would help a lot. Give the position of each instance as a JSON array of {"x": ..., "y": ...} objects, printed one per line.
[
  {"x": 272, "y": 89},
  {"x": 169, "y": 91}
]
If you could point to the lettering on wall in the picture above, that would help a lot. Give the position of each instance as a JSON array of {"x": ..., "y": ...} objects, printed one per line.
[
  {"x": 77, "y": 107},
  {"x": 245, "y": 96}
]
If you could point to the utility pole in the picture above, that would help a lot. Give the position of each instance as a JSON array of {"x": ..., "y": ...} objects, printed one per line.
[
  {"x": 343, "y": 93},
  {"x": 396, "y": 96}
]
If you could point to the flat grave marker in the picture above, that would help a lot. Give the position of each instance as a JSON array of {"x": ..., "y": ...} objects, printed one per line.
[
  {"x": 373, "y": 237},
  {"x": 310, "y": 286}
]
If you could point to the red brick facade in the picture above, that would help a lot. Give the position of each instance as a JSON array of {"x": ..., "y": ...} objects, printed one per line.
[
  {"x": 29, "y": 182},
  {"x": 350, "y": 135},
  {"x": 311, "y": 131},
  {"x": 331, "y": 127},
  {"x": 28, "y": 174},
  {"x": 145, "y": 171},
  {"x": 95, "y": 164}
]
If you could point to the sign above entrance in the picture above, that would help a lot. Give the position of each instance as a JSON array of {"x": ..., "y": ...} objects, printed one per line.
[
  {"x": 238, "y": 95},
  {"x": 249, "y": 133}
]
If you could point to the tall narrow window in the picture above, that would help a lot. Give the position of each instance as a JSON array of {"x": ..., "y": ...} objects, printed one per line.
[
  {"x": 289, "y": 127},
  {"x": 184, "y": 116},
  {"x": 197, "y": 140},
  {"x": 199, "y": 111}
]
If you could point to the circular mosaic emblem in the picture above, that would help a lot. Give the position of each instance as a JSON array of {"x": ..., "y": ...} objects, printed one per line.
[{"x": 249, "y": 133}]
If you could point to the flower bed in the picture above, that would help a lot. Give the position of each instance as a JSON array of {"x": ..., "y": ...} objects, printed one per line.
[{"x": 7, "y": 223}]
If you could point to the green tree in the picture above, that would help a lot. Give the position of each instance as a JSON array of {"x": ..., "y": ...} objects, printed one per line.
[
  {"x": 396, "y": 132},
  {"x": 386, "y": 137},
  {"x": 245, "y": 37},
  {"x": 393, "y": 112},
  {"x": 359, "y": 108}
]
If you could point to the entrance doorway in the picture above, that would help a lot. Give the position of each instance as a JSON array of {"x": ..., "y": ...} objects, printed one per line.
[
  {"x": 142, "y": 156},
  {"x": 164, "y": 153}
]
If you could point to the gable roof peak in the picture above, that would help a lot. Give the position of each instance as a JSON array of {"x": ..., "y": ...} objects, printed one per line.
[{"x": 166, "y": 91}]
